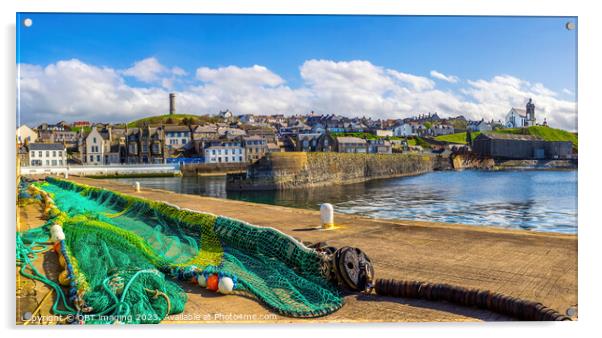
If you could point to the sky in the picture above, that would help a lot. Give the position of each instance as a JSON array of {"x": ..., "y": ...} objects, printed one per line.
[{"x": 119, "y": 67}]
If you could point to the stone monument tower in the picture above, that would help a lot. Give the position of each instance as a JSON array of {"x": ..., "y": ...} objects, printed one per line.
[
  {"x": 172, "y": 103},
  {"x": 530, "y": 113}
]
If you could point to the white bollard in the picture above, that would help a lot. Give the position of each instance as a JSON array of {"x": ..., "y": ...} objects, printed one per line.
[
  {"x": 327, "y": 215},
  {"x": 137, "y": 185}
]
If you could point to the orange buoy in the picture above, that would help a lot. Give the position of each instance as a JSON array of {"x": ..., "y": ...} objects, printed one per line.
[{"x": 212, "y": 282}]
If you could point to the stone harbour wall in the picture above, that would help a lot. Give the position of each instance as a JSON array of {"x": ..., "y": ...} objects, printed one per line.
[{"x": 298, "y": 169}]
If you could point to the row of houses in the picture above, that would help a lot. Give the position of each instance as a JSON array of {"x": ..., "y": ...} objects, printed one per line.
[{"x": 245, "y": 138}]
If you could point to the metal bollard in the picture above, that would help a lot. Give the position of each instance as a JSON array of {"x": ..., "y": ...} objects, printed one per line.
[
  {"x": 137, "y": 186},
  {"x": 327, "y": 215}
]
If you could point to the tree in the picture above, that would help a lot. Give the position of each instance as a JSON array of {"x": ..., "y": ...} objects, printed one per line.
[{"x": 468, "y": 138}]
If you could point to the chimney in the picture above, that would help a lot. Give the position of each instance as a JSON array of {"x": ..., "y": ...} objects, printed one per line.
[{"x": 172, "y": 103}]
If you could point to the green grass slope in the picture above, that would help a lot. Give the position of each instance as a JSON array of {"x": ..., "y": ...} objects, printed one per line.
[
  {"x": 458, "y": 138},
  {"x": 545, "y": 133},
  {"x": 175, "y": 119}
]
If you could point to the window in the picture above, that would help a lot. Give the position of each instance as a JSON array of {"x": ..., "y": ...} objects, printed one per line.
[
  {"x": 47, "y": 153},
  {"x": 239, "y": 158},
  {"x": 54, "y": 153},
  {"x": 94, "y": 140},
  {"x": 98, "y": 158},
  {"x": 60, "y": 153},
  {"x": 183, "y": 141},
  {"x": 60, "y": 162},
  {"x": 47, "y": 162},
  {"x": 40, "y": 153},
  {"x": 54, "y": 163}
]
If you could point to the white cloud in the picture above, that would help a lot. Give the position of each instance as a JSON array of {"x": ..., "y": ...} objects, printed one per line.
[
  {"x": 147, "y": 70},
  {"x": 418, "y": 82},
  {"x": 443, "y": 77},
  {"x": 504, "y": 91},
  {"x": 568, "y": 91},
  {"x": 72, "y": 90},
  {"x": 151, "y": 71}
]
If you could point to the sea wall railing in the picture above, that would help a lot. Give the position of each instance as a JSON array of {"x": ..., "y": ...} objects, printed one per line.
[{"x": 113, "y": 169}]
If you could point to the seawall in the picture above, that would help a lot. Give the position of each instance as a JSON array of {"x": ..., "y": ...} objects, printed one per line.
[
  {"x": 300, "y": 170},
  {"x": 201, "y": 169},
  {"x": 472, "y": 161}
]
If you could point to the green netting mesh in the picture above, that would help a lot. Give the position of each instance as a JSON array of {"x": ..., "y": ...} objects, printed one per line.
[{"x": 119, "y": 248}]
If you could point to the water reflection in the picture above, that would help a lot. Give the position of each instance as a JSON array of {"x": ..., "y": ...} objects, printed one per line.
[{"x": 539, "y": 200}]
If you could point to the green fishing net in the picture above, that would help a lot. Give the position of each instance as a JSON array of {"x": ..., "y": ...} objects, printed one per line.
[{"x": 123, "y": 254}]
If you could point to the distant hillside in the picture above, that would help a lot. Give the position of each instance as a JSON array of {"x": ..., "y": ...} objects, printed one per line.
[
  {"x": 175, "y": 119},
  {"x": 545, "y": 133}
]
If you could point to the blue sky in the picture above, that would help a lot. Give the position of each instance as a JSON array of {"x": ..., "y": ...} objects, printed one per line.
[{"x": 536, "y": 50}]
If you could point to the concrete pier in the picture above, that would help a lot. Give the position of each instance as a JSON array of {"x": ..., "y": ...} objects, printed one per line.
[{"x": 531, "y": 265}]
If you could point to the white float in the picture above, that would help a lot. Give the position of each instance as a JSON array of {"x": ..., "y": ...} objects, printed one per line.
[
  {"x": 202, "y": 280},
  {"x": 56, "y": 233},
  {"x": 225, "y": 285}
]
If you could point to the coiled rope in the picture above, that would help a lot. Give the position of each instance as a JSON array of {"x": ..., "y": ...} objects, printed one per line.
[
  {"x": 484, "y": 299},
  {"x": 26, "y": 254}
]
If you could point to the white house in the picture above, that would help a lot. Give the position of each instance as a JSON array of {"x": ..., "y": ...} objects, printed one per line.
[
  {"x": 404, "y": 130},
  {"x": 26, "y": 135},
  {"x": 177, "y": 136},
  {"x": 516, "y": 118},
  {"x": 94, "y": 145},
  {"x": 47, "y": 155},
  {"x": 225, "y": 114},
  {"x": 225, "y": 154},
  {"x": 479, "y": 126},
  {"x": 384, "y": 133}
]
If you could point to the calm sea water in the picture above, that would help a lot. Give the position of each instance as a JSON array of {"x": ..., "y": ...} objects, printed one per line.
[{"x": 535, "y": 200}]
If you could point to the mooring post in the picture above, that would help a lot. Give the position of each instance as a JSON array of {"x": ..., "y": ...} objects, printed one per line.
[
  {"x": 327, "y": 215},
  {"x": 137, "y": 186}
]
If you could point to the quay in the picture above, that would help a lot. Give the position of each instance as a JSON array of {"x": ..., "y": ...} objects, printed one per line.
[{"x": 531, "y": 265}]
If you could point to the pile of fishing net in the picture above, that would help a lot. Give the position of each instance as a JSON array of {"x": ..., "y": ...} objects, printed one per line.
[{"x": 122, "y": 254}]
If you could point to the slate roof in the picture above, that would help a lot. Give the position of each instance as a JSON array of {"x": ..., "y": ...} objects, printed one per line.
[
  {"x": 349, "y": 139},
  {"x": 46, "y": 146}
]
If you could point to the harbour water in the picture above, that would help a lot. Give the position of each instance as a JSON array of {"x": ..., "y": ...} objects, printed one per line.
[{"x": 533, "y": 200}]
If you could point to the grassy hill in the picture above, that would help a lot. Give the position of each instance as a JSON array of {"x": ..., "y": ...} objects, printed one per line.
[
  {"x": 459, "y": 138},
  {"x": 545, "y": 133},
  {"x": 175, "y": 119}
]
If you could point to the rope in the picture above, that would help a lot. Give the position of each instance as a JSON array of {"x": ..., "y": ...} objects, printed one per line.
[
  {"x": 484, "y": 299},
  {"x": 25, "y": 257}
]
